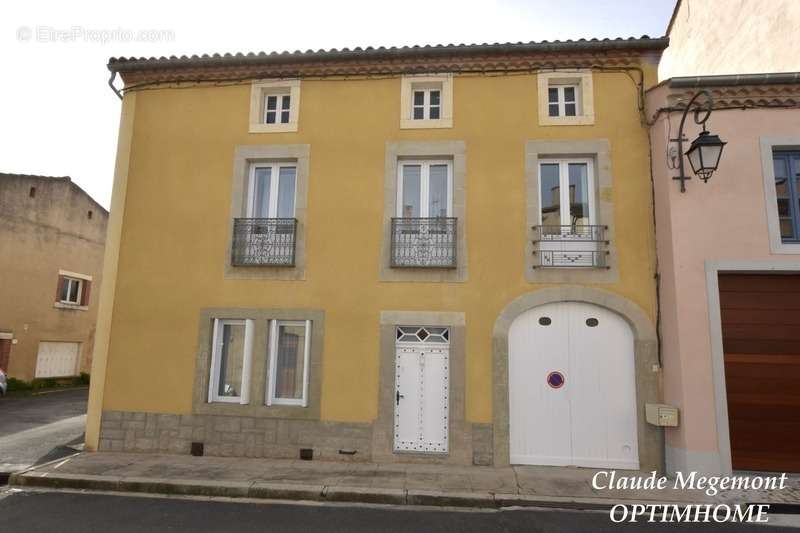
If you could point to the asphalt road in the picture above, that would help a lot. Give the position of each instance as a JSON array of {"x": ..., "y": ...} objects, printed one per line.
[
  {"x": 68, "y": 512},
  {"x": 35, "y": 429}
]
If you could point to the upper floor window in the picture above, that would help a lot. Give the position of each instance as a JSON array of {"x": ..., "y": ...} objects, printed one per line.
[
  {"x": 424, "y": 189},
  {"x": 274, "y": 106},
  {"x": 787, "y": 191},
  {"x": 73, "y": 289},
  {"x": 426, "y": 101},
  {"x": 566, "y": 98},
  {"x": 271, "y": 191}
]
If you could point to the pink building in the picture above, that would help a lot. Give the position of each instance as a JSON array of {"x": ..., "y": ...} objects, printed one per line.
[{"x": 729, "y": 264}]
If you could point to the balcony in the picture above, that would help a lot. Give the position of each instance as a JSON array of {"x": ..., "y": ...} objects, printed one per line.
[
  {"x": 264, "y": 241},
  {"x": 575, "y": 246},
  {"x": 424, "y": 242}
]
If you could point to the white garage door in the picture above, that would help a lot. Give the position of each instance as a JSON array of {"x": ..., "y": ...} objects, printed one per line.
[
  {"x": 57, "y": 359},
  {"x": 572, "y": 390}
]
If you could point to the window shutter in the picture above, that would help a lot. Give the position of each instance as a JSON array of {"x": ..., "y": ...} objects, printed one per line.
[
  {"x": 249, "y": 327},
  {"x": 87, "y": 287},
  {"x": 59, "y": 288}
]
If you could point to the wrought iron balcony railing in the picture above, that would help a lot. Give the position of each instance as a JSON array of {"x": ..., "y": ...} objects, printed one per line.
[
  {"x": 574, "y": 246},
  {"x": 264, "y": 241},
  {"x": 424, "y": 242}
]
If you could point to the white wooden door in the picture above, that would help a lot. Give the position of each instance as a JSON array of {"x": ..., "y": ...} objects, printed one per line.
[
  {"x": 572, "y": 390},
  {"x": 421, "y": 391},
  {"x": 57, "y": 359}
]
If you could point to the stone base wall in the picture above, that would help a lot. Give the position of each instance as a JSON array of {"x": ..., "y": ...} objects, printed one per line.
[{"x": 245, "y": 436}]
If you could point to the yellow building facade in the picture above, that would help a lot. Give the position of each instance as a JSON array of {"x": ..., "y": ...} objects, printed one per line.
[{"x": 344, "y": 251}]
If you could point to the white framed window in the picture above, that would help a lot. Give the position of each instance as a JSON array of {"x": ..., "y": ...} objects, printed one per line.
[
  {"x": 566, "y": 192},
  {"x": 271, "y": 190},
  {"x": 426, "y": 101},
  {"x": 288, "y": 354},
  {"x": 562, "y": 100},
  {"x": 274, "y": 106},
  {"x": 424, "y": 189},
  {"x": 231, "y": 357},
  {"x": 566, "y": 98},
  {"x": 277, "y": 107},
  {"x": 71, "y": 291}
]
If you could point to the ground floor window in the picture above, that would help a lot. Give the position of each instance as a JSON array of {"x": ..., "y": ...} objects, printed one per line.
[
  {"x": 289, "y": 349},
  {"x": 232, "y": 348}
]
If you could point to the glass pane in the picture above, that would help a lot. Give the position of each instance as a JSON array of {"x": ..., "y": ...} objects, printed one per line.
[
  {"x": 781, "y": 187},
  {"x": 284, "y": 117},
  {"x": 419, "y": 113},
  {"x": 552, "y": 110},
  {"x": 569, "y": 94},
  {"x": 569, "y": 110},
  {"x": 578, "y": 194},
  {"x": 289, "y": 365},
  {"x": 231, "y": 360},
  {"x": 787, "y": 229},
  {"x": 435, "y": 96},
  {"x": 73, "y": 291},
  {"x": 438, "y": 201},
  {"x": 286, "y": 187},
  {"x": 285, "y": 101},
  {"x": 411, "y": 191},
  {"x": 434, "y": 113},
  {"x": 552, "y": 95},
  {"x": 419, "y": 97},
  {"x": 550, "y": 195},
  {"x": 784, "y": 207},
  {"x": 270, "y": 117},
  {"x": 65, "y": 290},
  {"x": 261, "y": 192},
  {"x": 272, "y": 102}
]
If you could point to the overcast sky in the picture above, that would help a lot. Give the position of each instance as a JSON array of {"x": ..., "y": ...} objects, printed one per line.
[{"x": 58, "y": 117}]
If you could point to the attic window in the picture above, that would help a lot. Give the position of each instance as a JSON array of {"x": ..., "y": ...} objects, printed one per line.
[
  {"x": 566, "y": 98},
  {"x": 32, "y": 192},
  {"x": 274, "y": 106},
  {"x": 89, "y": 215}
]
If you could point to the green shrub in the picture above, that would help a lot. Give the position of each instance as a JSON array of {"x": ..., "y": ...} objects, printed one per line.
[
  {"x": 46, "y": 383},
  {"x": 83, "y": 379},
  {"x": 15, "y": 384}
]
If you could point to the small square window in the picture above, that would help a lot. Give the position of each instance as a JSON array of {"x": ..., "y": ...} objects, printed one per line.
[
  {"x": 566, "y": 98},
  {"x": 426, "y": 101},
  {"x": 274, "y": 106},
  {"x": 71, "y": 289},
  {"x": 277, "y": 108},
  {"x": 289, "y": 349}
]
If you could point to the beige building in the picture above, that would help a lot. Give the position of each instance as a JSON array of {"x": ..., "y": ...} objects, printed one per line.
[
  {"x": 52, "y": 236},
  {"x": 731, "y": 37}
]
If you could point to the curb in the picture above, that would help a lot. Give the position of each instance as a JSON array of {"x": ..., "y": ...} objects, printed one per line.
[{"x": 299, "y": 492}]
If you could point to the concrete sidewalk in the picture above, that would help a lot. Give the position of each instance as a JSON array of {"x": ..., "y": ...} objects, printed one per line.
[{"x": 402, "y": 484}]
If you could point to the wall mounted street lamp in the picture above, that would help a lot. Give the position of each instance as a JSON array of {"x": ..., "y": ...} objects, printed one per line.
[{"x": 705, "y": 151}]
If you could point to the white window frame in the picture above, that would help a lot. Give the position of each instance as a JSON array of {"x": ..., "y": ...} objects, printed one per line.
[
  {"x": 279, "y": 109},
  {"x": 426, "y": 102},
  {"x": 273, "y": 361},
  {"x": 581, "y": 79},
  {"x": 273, "y": 187},
  {"x": 561, "y": 100},
  {"x": 259, "y": 91},
  {"x": 68, "y": 280},
  {"x": 412, "y": 83},
  {"x": 424, "y": 185},
  {"x": 563, "y": 178},
  {"x": 216, "y": 346}
]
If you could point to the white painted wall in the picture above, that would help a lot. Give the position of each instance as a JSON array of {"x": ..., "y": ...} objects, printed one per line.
[{"x": 732, "y": 37}]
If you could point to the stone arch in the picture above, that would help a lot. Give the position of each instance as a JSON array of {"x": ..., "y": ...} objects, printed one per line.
[{"x": 651, "y": 441}]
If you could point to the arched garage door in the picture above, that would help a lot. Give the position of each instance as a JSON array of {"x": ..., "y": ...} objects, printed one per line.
[{"x": 572, "y": 389}]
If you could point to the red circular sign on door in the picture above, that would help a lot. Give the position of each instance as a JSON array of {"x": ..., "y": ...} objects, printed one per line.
[{"x": 555, "y": 380}]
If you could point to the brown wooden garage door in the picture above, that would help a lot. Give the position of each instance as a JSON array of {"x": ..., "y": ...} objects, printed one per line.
[{"x": 761, "y": 341}]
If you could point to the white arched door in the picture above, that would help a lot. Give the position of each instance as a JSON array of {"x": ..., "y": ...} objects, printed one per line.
[{"x": 572, "y": 388}]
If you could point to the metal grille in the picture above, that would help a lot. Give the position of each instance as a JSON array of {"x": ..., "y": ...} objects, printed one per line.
[
  {"x": 424, "y": 242},
  {"x": 264, "y": 241},
  {"x": 571, "y": 246}
]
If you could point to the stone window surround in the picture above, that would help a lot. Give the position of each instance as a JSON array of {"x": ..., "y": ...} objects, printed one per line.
[
  {"x": 406, "y": 91},
  {"x": 244, "y": 156},
  {"x": 259, "y": 89},
  {"x": 768, "y": 146},
  {"x": 258, "y": 374},
  {"x": 454, "y": 151},
  {"x": 460, "y": 431},
  {"x": 600, "y": 151},
  {"x": 580, "y": 77},
  {"x": 648, "y": 372}
]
